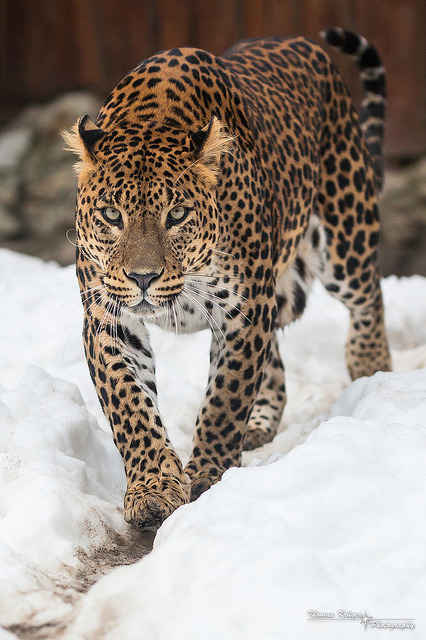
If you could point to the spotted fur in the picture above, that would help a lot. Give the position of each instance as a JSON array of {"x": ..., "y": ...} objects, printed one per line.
[
  {"x": 373, "y": 106},
  {"x": 212, "y": 191}
]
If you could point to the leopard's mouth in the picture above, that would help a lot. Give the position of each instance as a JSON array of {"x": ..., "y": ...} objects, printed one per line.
[{"x": 145, "y": 308}]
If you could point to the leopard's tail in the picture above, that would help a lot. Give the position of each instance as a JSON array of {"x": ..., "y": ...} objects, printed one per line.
[{"x": 373, "y": 105}]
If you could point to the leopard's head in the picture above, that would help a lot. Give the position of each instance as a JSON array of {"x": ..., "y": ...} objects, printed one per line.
[{"x": 146, "y": 207}]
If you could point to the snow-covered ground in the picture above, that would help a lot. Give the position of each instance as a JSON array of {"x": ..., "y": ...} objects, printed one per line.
[{"x": 329, "y": 517}]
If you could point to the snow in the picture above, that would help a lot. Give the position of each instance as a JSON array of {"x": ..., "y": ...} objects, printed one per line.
[
  {"x": 329, "y": 516},
  {"x": 51, "y": 447}
]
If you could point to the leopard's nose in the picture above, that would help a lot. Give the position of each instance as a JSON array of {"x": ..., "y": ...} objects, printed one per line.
[{"x": 143, "y": 280}]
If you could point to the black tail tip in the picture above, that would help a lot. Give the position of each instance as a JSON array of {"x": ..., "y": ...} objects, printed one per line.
[{"x": 333, "y": 36}]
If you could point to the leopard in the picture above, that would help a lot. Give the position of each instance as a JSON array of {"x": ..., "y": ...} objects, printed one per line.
[{"x": 212, "y": 192}]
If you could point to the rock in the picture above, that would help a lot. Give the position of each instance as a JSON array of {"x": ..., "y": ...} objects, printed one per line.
[
  {"x": 9, "y": 186},
  {"x": 420, "y": 178},
  {"x": 49, "y": 202},
  {"x": 14, "y": 144},
  {"x": 10, "y": 227},
  {"x": 403, "y": 216},
  {"x": 37, "y": 180},
  {"x": 55, "y": 185},
  {"x": 62, "y": 113}
]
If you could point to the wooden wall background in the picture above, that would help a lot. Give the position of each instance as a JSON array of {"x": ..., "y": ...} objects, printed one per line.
[{"x": 51, "y": 46}]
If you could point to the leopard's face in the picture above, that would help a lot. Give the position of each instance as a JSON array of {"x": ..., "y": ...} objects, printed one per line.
[{"x": 147, "y": 219}]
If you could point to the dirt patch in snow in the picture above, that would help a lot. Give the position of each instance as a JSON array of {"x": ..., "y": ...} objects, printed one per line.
[{"x": 74, "y": 583}]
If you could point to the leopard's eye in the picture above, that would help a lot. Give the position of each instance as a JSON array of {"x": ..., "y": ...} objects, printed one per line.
[
  {"x": 112, "y": 215},
  {"x": 177, "y": 214}
]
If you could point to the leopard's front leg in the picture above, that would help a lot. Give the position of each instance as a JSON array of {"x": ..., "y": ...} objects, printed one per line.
[
  {"x": 236, "y": 370},
  {"x": 122, "y": 368}
]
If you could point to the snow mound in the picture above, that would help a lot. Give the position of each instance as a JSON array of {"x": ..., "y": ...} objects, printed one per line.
[
  {"x": 338, "y": 523},
  {"x": 50, "y": 472},
  {"x": 61, "y": 485}
]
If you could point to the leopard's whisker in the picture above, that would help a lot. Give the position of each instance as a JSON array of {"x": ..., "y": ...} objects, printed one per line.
[
  {"x": 207, "y": 295},
  {"x": 74, "y": 326},
  {"x": 118, "y": 313},
  {"x": 216, "y": 276},
  {"x": 119, "y": 307},
  {"x": 97, "y": 301},
  {"x": 98, "y": 332},
  {"x": 168, "y": 316},
  {"x": 85, "y": 298},
  {"x": 114, "y": 323},
  {"x": 194, "y": 302},
  {"x": 104, "y": 319},
  {"x": 179, "y": 310},
  {"x": 200, "y": 306},
  {"x": 224, "y": 253},
  {"x": 99, "y": 286},
  {"x": 175, "y": 316},
  {"x": 203, "y": 312},
  {"x": 68, "y": 338},
  {"x": 70, "y": 241},
  {"x": 78, "y": 294},
  {"x": 219, "y": 288}
]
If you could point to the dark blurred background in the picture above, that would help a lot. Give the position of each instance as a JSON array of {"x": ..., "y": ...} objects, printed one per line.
[{"x": 60, "y": 58}]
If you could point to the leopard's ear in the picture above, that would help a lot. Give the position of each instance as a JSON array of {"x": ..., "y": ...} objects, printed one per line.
[
  {"x": 81, "y": 140},
  {"x": 89, "y": 133},
  {"x": 209, "y": 144}
]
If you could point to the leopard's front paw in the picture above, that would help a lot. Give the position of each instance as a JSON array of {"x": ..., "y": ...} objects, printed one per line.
[{"x": 147, "y": 506}]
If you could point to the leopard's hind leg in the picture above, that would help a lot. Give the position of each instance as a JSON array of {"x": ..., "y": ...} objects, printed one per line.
[
  {"x": 350, "y": 177},
  {"x": 359, "y": 289},
  {"x": 268, "y": 408},
  {"x": 348, "y": 204}
]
